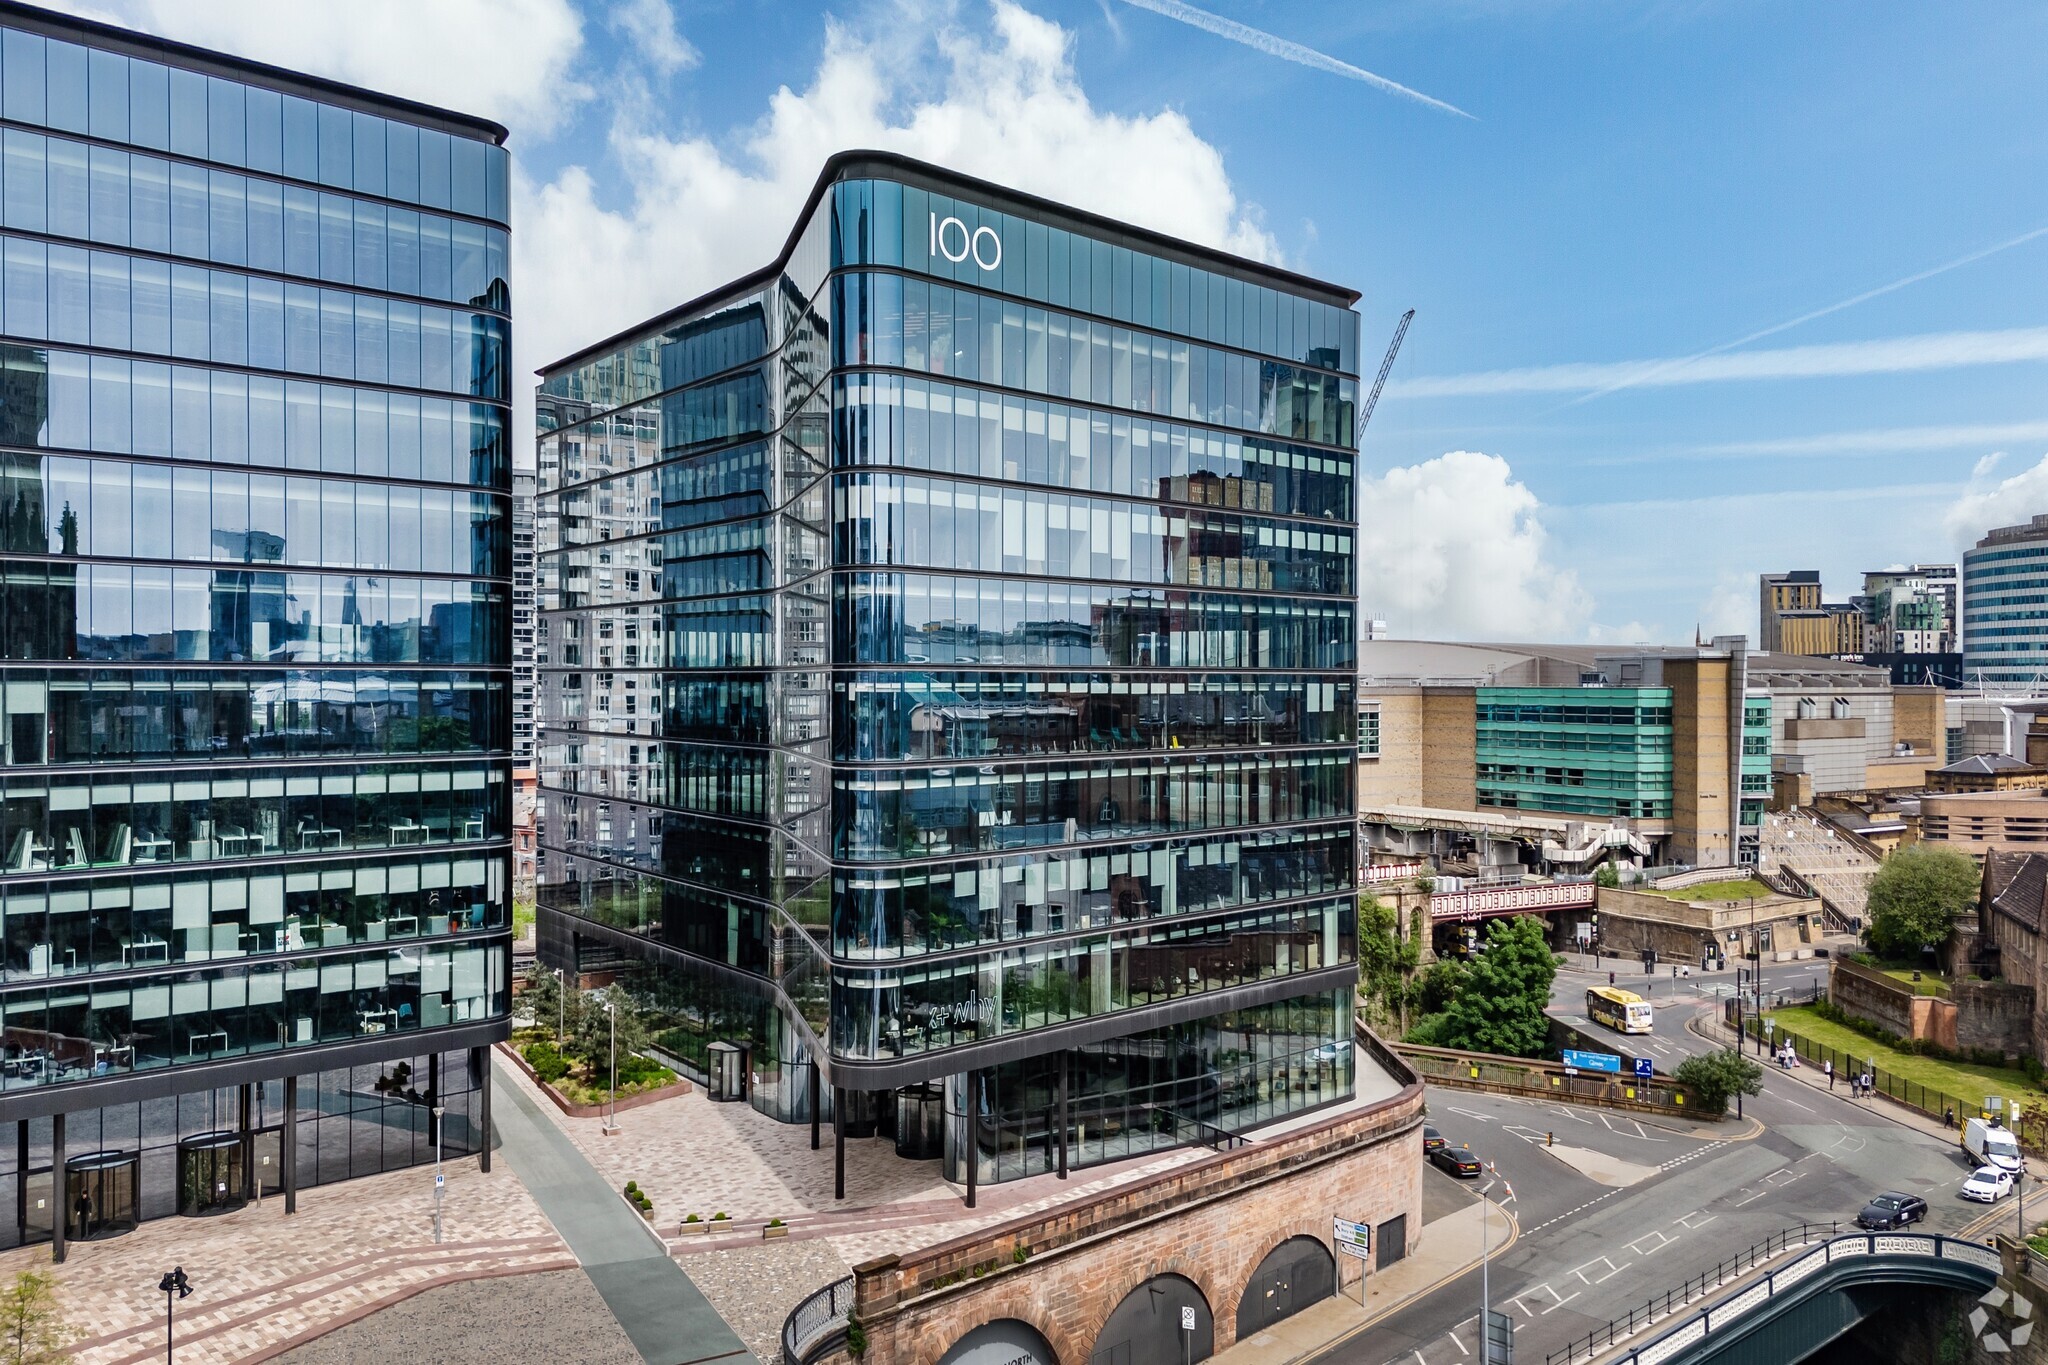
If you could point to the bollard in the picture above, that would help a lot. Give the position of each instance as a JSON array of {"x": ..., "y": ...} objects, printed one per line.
[{"x": 1550, "y": 1139}]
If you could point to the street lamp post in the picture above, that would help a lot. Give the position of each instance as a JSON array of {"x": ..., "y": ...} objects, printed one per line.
[
  {"x": 176, "y": 1284},
  {"x": 561, "y": 1008},
  {"x": 440, "y": 1178},
  {"x": 612, "y": 1013}
]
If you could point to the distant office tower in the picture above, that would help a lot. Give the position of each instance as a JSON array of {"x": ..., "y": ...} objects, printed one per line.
[
  {"x": 253, "y": 540},
  {"x": 1910, "y": 609},
  {"x": 1790, "y": 616},
  {"x": 948, "y": 706},
  {"x": 2005, "y": 608},
  {"x": 522, "y": 621}
]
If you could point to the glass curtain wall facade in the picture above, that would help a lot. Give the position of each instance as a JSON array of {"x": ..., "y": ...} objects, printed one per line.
[
  {"x": 2005, "y": 609},
  {"x": 948, "y": 669},
  {"x": 1600, "y": 751},
  {"x": 255, "y": 580}
]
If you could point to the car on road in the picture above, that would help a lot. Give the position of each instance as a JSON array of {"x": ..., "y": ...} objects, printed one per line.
[
  {"x": 1988, "y": 1184},
  {"x": 1891, "y": 1210},
  {"x": 1457, "y": 1161},
  {"x": 1432, "y": 1141}
]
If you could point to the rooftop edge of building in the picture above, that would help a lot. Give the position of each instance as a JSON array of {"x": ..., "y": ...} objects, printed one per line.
[
  {"x": 2027, "y": 530},
  {"x": 133, "y": 43},
  {"x": 847, "y": 165}
]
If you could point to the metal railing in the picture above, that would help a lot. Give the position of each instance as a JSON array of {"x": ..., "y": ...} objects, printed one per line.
[
  {"x": 1703, "y": 1325},
  {"x": 818, "y": 1323},
  {"x": 1939, "y": 1104},
  {"x": 1694, "y": 1289}
]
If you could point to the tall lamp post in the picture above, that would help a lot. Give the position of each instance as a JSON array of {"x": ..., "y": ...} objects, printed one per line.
[
  {"x": 440, "y": 1179},
  {"x": 1486, "y": 1352},
  {"x": 612, "y": 1013},
  {"x": 172, "y": 1284},
  {"x": 561, "y": 1008}
]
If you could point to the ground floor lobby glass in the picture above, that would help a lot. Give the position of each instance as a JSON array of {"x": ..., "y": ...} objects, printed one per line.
[
  {"x": 201, "y": 1153},
  {"x": 1184, "y": 1084}
]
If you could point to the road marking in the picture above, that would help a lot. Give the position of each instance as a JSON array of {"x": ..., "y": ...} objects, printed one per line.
[
  {"x": 1794, "y": 1103},
  {"x": 1612, "y": 1270},
  {"x": 1571, "y": 1113},
  {"x": 1663, "y": 1240},
  {"x": 1752, "y": 1199},
  {"x": 1483, "y": 1118},
  {"x": 1690, "y": 1226},
  {"x": 1453, "y": 1335},
  {"x": 1525, "y": 1134}
]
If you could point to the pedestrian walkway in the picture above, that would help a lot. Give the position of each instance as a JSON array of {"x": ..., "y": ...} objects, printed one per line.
[
  {"x": 667, "y": 1319},
  {"x": 1450, "y": 1247},
  {"x": 1814, "y": 1078}
]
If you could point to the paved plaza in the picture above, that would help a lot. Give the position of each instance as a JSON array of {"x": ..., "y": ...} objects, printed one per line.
[{"x": 262, "y": 1281}]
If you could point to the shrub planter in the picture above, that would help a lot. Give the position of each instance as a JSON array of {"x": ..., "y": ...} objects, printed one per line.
[
  {"x": 689, "y": 1229},
  {"x": 594, "y": 1111},
  {"x": 766, "y": 1233}
]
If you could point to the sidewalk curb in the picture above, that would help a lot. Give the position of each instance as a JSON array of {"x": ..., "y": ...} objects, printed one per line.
[
  {"x": 1692, "y": 1026},
  {"x": 1323, "y": 1348}
]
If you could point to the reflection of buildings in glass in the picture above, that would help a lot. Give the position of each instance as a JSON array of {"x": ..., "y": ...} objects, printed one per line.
[
  {"x": 957, "y": 825},
  {"x": 168, "y": 859}
]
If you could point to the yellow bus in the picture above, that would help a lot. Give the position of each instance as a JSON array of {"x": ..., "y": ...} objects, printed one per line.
[{"x": 1623, "y": 1011}]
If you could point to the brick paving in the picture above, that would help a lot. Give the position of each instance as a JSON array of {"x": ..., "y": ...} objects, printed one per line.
[
  {"x": 263, "y": 1282},
  {"x": 550, "y": 1315}
]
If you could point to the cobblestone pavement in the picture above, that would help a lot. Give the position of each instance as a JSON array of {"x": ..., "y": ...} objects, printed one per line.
[
  {"x": 554, "y": 1315},
  {"x": 755, "y": 1287},
  {"x": 261, "y": 1281}
]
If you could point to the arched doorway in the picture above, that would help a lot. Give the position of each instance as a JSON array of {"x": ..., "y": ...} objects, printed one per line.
[
  {"x": 1006, "y": 1341},
  {"x": 1295, "y": 1274},
  {"x": 1145, "y": 1328}
]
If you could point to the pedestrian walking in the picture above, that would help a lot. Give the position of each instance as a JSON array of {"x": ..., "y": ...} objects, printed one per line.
[{"x": 1829, "y": 1067}]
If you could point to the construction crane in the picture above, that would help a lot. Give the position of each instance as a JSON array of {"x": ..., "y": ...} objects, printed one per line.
[{"x": 1373, "y": 401}]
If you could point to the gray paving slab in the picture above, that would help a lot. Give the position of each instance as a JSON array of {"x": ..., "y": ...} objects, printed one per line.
[{"x": 667, "y": 1319}]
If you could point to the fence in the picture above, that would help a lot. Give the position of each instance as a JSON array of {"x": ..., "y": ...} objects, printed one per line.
[
  {"x": 1698, "y": 1287},
  {"x": 1523, "y": 1076},
  {"x": 1729, "y": 1316},
  {"x": 818, "y": 1323},
  {"x": 1928, "y": 1100}
]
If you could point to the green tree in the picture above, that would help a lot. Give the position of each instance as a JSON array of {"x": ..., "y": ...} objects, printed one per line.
[
  {"x": 1607, "y": 875},
  {"x": 544, "y": 994},
  {"x": 1385, "y": 960},
  {"x": 32, "y": 1327},
  {"x": 1439, "y": 985},
  {"x": 590, "y": 1034},
  {"x": 1717, "y": 1077},
  {"x": 1499, "y": 1005},
  {"x": 1917, "y": 896}
]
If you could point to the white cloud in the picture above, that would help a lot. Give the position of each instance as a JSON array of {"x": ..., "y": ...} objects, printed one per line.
[
  {"x": 650, "y": 25},
  {"x": 1000, "y": 101},
  {"x": 1454, "y": 548},
  {"x": 1895, "y": 355},
  {"x": 508, "y": 60},
  {"x": 2010, "y": 502}
]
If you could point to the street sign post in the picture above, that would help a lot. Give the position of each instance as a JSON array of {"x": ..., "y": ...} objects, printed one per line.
[
  {"x": 1593, "y": 1061},
  {"x": 1353, "y": 1239},
  {"x": 1499, "y": 1340},
  {"x": 1645, "y": 1069}
]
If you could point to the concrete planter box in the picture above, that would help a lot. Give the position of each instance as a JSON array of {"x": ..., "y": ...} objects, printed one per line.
[
  {"x": 692, "y": 1229},
  {"x": 767, "y": 1233}
]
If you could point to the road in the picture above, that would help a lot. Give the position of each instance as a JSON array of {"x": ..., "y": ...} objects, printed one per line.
[{"x": 1622, "y": 1210}]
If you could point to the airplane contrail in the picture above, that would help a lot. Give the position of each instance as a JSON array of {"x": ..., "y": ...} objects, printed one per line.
[
  {"x": 1273, "y": 46},
  {"x": 1650, "y": 375}
]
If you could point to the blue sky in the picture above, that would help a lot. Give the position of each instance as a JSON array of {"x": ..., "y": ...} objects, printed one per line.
[{"x": 1637, "y": 183}]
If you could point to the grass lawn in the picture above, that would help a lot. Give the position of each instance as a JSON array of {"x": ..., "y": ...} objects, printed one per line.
[
  {"x": 1739, "y": 890},
  {"x": 1930, "y": 983},
  {"x": 1965, "y": 1080}
]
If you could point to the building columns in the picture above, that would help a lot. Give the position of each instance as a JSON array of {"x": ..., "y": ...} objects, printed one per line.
[
  {"x": 60, "y": 1191},
  {"x": 1063, "y": 1116},
  {"x": 289, "y": 1146},
  {"x": 814, "y": 1104},
  {"x": 480, "y": 1067},
  {"x": 838, "y": 1143}
]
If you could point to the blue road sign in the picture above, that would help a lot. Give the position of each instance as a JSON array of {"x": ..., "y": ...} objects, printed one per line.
[
  {"x": 1644, "y": 1070},
  {"x": 1593, "y": 1061}
]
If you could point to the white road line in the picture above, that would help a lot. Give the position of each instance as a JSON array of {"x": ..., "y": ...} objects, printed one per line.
[
  {"x": 1794, "y": 1103},
  {"x": 1453, "y": 1335},
  {"x": 1752, "y": 1199},
  {"x": 1690, "y": 1226},
  {"x": 1483, "y": 1118}
]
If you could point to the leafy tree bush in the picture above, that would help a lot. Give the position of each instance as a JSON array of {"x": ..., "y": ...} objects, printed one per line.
[
  {"x": 547, "y": 1061},
  {"x": 1917, "y": 896},
  {"x": 1438, "y": 985},
  {"x": 591, "y": 1031},
  {"x": 1606, "y": 875},
  {"x": 1498, "y": 1006},
  {"x": 1385, "y": 960},
  {"x": 32, "y": 1327},
  {"x": 1717, "y": 1077}
]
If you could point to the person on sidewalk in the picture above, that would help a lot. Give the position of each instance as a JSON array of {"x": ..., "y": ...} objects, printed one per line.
[
  {"x": 1829, "y": 1067},
  {"x": 1867, "y": 1085}
]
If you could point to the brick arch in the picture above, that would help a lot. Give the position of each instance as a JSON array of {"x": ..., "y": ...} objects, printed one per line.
[
  {"x": 1248, "y": 1260},
  {"x": 1016, "y": 1300},
  {"x": 1124, "y": 1286}
]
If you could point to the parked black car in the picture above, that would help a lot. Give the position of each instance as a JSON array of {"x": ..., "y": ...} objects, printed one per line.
[
  {"x": 1459, "y": 1162},
  {"x": 1891, "y": 1210},
  {"x": 1432, "y": 1141}
]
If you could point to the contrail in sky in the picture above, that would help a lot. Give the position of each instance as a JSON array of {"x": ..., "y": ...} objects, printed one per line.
[
  {"x": 1650, "y": 375},
  {"x": 1261, "y": 41}
]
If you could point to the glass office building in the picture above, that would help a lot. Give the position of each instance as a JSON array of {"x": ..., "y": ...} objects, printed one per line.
[
  {"x": 1597, "y": 751},
  {"x": 254, "y": 626},
  {"x": 2005, "y": 609},
  {"x": 947, "y": 690}
]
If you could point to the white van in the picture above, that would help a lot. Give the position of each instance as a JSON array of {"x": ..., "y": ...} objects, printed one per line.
[{"x": 1990, "y": 1145}]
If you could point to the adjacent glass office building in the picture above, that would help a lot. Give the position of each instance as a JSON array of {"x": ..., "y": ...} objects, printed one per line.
[
  {"x": 254, "y": 626},
  {"x": 2005, "y": 609},
  {"x": 947, "y": 695}
]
